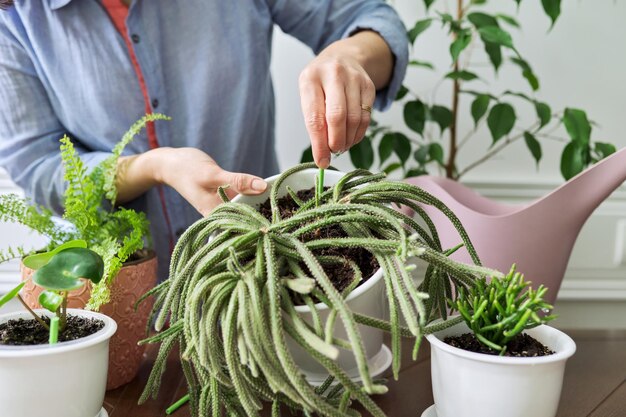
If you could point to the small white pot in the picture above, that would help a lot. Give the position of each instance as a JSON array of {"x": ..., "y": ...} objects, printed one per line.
[
  {"x": 64, "y": 380},
  {"x": 367, "y": 299},
  {"x": 469, "y": 384}
]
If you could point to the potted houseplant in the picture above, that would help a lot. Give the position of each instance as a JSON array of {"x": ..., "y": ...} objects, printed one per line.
[
  {"x": 503, "y": 342},
  {"x": 119, "y": 235},
  {"x": 40, "y": 348},
  {"x": 259, "y": 291}
]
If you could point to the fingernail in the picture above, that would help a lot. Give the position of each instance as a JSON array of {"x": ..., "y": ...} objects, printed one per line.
[
  {"x": 324, "y": 162},
  {"x": 258, "y": 184}
]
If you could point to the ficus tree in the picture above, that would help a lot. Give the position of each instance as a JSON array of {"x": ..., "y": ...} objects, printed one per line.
[{"x": 435, "y": 141}]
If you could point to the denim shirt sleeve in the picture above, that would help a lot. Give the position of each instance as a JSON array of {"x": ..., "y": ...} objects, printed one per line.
[
  {"x": 29, "y": 128},
  {"x": 318, "y": 23}
]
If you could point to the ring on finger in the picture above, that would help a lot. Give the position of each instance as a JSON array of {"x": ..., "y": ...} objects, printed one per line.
[{"x": 366, "y": 108}]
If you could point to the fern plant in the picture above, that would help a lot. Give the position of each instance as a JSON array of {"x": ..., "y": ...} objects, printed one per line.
[
  {"x": 234, "y": 277},
  {"x": 89, "y": 201}
]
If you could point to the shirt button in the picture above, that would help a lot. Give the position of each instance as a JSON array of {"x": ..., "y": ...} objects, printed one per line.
[
  {"x": 155, "y": 103},
  {"x": 135, "y": 38}
]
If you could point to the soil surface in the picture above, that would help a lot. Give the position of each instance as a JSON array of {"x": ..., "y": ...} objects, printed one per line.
[
  {"x": 29, "y": 332},
  {"x": 521, "y": 345},
  {"x": 340, "y": 275}
]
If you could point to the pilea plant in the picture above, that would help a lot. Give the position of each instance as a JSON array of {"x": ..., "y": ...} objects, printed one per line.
[
  {"x": 235, "y": 274},
  {"x": 434, "y": 140},
  {"x": 89, "y": 203},
  {"x": 58, "y": 272},
  {"x": 498, "y": 311}
]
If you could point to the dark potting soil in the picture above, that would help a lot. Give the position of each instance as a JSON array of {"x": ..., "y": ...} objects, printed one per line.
[
  {"x": 24, "y": 332},
  {"x": 341, "y": 275},
  {"x": 521, "y": 345}
]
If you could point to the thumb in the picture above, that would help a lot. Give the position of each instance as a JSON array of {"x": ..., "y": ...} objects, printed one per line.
[{"x": 244, "y": 183}]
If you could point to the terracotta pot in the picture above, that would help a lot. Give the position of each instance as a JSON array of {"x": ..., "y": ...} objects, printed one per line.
[{"x": 133, "y": 280}]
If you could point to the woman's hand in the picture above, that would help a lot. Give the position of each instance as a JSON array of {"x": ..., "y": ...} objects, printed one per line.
[
  {"x": 191, "y": 172},
  {"x": 337, "y": 92}
]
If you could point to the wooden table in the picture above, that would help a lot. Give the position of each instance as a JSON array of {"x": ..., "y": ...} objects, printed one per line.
[{"x": 594, "y": 386}]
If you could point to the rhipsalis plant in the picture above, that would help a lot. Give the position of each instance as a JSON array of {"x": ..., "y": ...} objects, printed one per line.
[
  {"x": 498, "y": 311},
  {"x": 89, "y": 202},
  {"x": 234, "y": 277},
  {"x": 436, "y": 141},
  {"x": 59, "y": 271}
]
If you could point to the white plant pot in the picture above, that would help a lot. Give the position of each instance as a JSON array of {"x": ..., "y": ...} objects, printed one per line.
[
  {"x": 64, "y": 380},
  {"x": 367, "y": 299},
  {"x": 469, "y": 384}
]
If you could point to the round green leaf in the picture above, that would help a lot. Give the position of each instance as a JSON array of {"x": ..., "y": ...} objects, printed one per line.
[
  {"x": 402, "y": 146},
  {"x": 419, "y": 27},
  {"x": 552, "y": 9},
  {"x": 415, "y": 115},
  {"x": 572, "y": 160},
  {"x": 496, "y": 35},
  {"x": 385, "y": 147},
  {"x": 479, "y": 107},
  {"x": 422, "y": 154},
  {"x": 307, "y": 155},
  {"x": 577, "y": 125},
  {"x": 415, "y": 172},
  {"x": 494, "y": 51},
  {"x": 435, "y": 151},
  {"x": 38, "y": 260},
  {"x": 392, "y": 167},
  {"x": 501, "y": 120},
  {"x": 459, "y": 44},
  {"x": 416, "y": 63},
  {"x": 461, "y": 75},
  {"x": 544, "y": 113},
  {"x": 533, "y": 146},
  {"x": 50, "y": 300},
  {"x": 403, "y": 91},
  {"x": 66, "y": 268},
  {"x": 442, "y": 115},
  {"x": 11, "y": 294},
  {"x": 362, "y": 154},
  {"x": 479, "y": 19},
  {"x": 602, "y": 149},
  {"x": 508, "y": 19}
]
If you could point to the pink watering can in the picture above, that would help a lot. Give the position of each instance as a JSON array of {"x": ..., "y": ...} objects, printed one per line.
[{"x": 539, "y": 236}]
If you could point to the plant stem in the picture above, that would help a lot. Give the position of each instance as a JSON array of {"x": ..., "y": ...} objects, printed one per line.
[
  {"x": 451, "y": 165},
  {"x": 177, "y": 405},
  {"x": 54, "y": 330},
  {"x": 43, "y": 323}
]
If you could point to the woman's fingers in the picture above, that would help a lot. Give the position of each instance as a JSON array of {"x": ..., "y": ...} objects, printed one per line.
[
  {"x": 336, "y": 96},
  {"x": 313, "y": 105}
]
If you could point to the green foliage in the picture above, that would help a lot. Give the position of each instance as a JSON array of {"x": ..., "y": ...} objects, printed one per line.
[
  {"x": 89, "y": 203},
  {"x": 498, "y": 311},
  {"x": 472, "y": 27},
  {"x": 58, "y": 272},
  {"x": 230, "y": 304},
  {"x": 66, "y": 270}
]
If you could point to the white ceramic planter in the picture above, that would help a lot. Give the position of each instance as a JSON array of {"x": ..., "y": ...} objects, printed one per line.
[
  {"x": 366, "y": 299},
  {"x": 64, "y": 380},
  {"x": 468, "y": 384}
]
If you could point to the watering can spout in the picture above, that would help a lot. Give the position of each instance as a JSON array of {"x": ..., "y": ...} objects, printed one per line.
[
  {"x": 539, "y": 236},
  {"x": 582, "y": 194}
]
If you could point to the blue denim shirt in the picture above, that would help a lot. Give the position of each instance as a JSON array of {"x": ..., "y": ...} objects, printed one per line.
[{"x": 64, "y": 68}]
